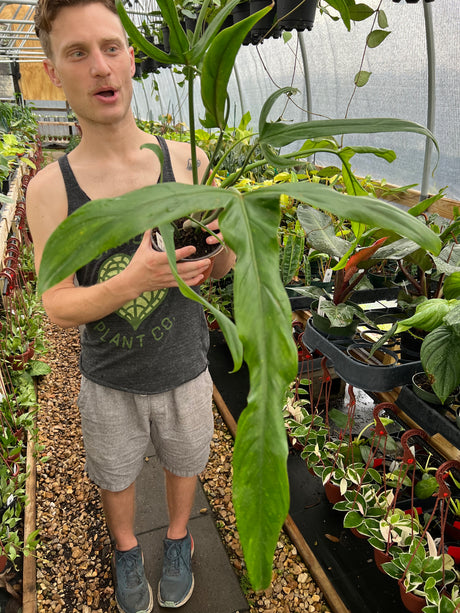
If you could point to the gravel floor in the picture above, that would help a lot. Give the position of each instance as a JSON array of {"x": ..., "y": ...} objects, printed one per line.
[{"x": 73, "y": 567}]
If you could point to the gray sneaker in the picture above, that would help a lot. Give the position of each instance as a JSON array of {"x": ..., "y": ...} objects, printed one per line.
[
  {"x": 132, "y": 591},
  {"x": 176, "y": 583}
]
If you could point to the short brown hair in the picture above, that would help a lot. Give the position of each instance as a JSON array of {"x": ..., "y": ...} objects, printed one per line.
[{"x": 47, "y": 11}]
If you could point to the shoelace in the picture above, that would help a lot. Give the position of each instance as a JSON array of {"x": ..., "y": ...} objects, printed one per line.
[
  {"x": 131, "y": 569},
  {"x": 173, "y": 556}
]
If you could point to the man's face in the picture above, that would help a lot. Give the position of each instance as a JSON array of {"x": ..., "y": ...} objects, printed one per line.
[{"x": 92, "y": 62}]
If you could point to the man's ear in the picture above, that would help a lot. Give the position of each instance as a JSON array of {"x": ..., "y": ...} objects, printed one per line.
[
  {"x": 133, "y": 62},
  {"x": 52, "y": 72}
]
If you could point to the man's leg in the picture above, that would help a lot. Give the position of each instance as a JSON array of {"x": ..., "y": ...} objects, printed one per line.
[
  {"x": 119, "y": 508},
  {"x": 133, "y": 593},
  {"x": 180, "y": 494},
  {"x": 177, "y": 582}
]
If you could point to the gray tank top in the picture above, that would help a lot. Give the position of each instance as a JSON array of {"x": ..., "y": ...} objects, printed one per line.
[{"x": 150, "y": 345}]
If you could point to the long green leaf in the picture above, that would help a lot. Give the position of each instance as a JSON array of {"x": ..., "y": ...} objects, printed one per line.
[
  {"x": 226, "y": 325},
  {"x": 142, "y": 43},
  {"x": 102, "y": 224},
  {"x": 178, "y": 40},
  {"x": 197, "y": 51},
  {"x": 440, "y": 355},
  {"x": 280, "y": 134},
  {"x": 260, "y": 483},
  {"x": 217, "y": 67},
  {"x": 364, "y": 209}
]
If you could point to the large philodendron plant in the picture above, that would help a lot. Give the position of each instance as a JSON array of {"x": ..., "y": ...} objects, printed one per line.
[{"x": 261, "y": 334}]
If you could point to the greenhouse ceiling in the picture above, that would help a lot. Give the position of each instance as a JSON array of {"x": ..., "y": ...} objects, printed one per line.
[{"x": 18, "y": 42}]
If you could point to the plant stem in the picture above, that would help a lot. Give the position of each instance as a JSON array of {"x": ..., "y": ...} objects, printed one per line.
[{"x": 191, "y": 114}]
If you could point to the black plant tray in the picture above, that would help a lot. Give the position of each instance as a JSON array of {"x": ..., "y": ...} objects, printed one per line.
[
  {"x": 428, "y": 417},
  {"x": 360, "y": 375}
]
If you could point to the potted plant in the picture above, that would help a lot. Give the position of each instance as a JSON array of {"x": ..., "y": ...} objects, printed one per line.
[
  {"x": 334, "y": 313},
  {"x": 441, "y": 602},
  {"x": 440, "y": 348},
  {"x": 249, "y": 223},
  {"x": 419, "y": 571}
]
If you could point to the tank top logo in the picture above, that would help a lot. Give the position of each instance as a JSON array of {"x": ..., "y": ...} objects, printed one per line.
[{"x": 134, "y": 311}]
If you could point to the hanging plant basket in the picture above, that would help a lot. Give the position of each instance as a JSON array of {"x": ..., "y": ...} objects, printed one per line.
[
  {"x": 412, "y": 602},
  {"x": 363, "y": 376},
  {"x": 18, "y": 361},
  {"x": 265, "y": 27},
  {"x": 240, "y": 12},
  {"x": 296, "y": 15}
]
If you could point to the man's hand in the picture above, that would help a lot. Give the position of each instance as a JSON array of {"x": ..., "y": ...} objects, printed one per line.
[
  {"x": 149, "y": 269},
  {"x": 214, "y": 226}
]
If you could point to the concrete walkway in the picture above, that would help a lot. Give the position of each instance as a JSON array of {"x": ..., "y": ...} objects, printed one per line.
[{"x": 217, "y": 589}]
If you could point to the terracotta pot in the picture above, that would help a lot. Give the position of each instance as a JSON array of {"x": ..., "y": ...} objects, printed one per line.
[
  {"x": 157, "y": 245},
  {"x": 358, "y": 534},
  {"x": 380, "y": 557},
  {"x": 332, "y": 492},
  {"x": 412, "y": 602},
  {"x": 18, "y": 361},
  {"x": 3, "y": 563}
]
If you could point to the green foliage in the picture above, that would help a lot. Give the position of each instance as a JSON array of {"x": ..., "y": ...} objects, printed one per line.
[
  {"x": 21, "y": 322},
  {"x": 421, "y": 568},
  {"x": 440, "y": 351}
]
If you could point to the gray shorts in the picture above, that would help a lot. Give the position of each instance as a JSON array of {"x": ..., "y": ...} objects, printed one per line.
[{"x": 118, "y": 426}]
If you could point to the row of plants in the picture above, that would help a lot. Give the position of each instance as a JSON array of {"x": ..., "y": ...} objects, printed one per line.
[
  {"x": 392, "y": 487},
  {"x": 21, "y": 344},
  {"x": 18, "y": 133}
]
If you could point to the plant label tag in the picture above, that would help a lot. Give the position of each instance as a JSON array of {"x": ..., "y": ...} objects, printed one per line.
[
  {"x": 327, "y": 275},
  {"x": 321, "y": 301},
  {"x": 10, "y": 500}
]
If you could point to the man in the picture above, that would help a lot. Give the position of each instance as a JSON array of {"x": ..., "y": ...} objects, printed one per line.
[{"x": 137, "y": 383}]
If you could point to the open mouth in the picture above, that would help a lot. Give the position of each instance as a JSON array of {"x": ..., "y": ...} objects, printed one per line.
[{"x": 106, "y": 93}]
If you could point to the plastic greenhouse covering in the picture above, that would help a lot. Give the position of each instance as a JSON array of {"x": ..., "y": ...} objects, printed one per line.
[{"x": 415, "y": 75}]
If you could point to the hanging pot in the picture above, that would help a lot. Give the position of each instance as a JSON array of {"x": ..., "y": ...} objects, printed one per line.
[
  {"x": 412, "y": 602},
  {"x": 332, "y": 492},
  {"x": 265, "y": 26},
  {"x": 240, "y": 12},
  {"x": 296, "y": 14},
  {"x": 410, "y": 345},
  {"x": 18, "y": 361},
  {"x": 380, "y": 557}
]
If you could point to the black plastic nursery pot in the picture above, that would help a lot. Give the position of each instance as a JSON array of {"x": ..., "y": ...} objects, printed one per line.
[
  {"x": 266, "y": 26},
  {"x": 428, "y": 416},
  {"x": 240, "y": 12},
  {"x": 296, "y": 15}
]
